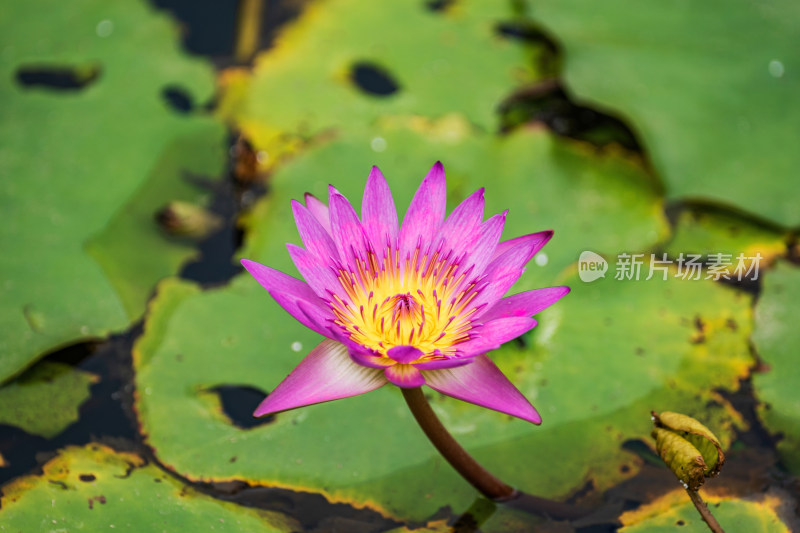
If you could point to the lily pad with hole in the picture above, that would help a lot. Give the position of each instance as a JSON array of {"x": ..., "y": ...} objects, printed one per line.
[
  {"x": 599, "y": 362},
  {"x": 89, "y": 146},
  {"x": 94, "y": 488},
  {"x": 777, "y": 339},
  {"x": 45, "y": 399},
  {"x": 674, "y": 511},
  {"x": 345, "y": 63},
  {"x": 710, "y": 88}
]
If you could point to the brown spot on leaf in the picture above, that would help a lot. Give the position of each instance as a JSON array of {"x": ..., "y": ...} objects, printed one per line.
[{"x": 87, "y": 477}]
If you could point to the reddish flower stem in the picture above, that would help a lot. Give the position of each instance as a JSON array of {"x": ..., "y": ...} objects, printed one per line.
[
  {"x": 480, "y": 478},
  {"x": 705, "y": 513}
]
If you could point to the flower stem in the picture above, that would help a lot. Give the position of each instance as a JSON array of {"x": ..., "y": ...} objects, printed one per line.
[
  {"x": 705, "y": 514},
  {"x": 480, "y": 478}
]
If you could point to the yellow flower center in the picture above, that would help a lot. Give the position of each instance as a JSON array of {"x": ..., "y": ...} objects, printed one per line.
[{"x": 418, "y": 301}]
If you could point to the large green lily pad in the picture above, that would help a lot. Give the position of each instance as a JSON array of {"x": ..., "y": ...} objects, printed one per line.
[
  {"x": 733, "y": 242},
  {"x": 675, "y": 510},
  {"x": 45, "y": 399},
  {"x": 710, "y": 88},
  {"x": 777, "y": 341},
  {"x": 439, "y": 61},
  {"x": 84, "y": 168},
  {"x": 94, "y": 488},
  {"x": 598, "y": 363}
]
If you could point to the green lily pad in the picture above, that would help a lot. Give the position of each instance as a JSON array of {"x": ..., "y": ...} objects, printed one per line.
[
  {"x": 675, "y": 509},
  {"x": 417, "y": 61},
  {"x": 45, "y": 399},
  {"x": 728, "y": 238},
  {"x": 86, "y": 165},
  {"x": 599, "y": 362},
  {"x": 94, "y": 488},
  {"x": 710, "y": 88},
  {"x": 776, "y": 339}
]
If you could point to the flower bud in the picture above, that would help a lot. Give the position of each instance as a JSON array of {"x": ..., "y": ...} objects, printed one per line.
[{"x": 689, "y": 449}]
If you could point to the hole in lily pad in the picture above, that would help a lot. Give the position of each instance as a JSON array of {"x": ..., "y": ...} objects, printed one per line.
[
  {"x": 238, "y": 403},
  {"x": 439, "y": 5},
  {"x": 178, "y": 99},
  {"x": 62, "y": 78},
  {"x": 547, "y": 102},
  {"x": 373, "y": 79}
]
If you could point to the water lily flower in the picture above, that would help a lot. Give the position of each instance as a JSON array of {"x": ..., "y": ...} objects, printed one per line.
[{"x": 412, "y": 305}]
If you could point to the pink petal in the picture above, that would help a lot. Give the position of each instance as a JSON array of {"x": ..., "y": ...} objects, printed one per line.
[
  {"x": 524, "y": 304},
  {"x": 319, "y": 210},
  {"x": 492, "y": 334},
  {"x": 364, "y": 356},
  {"x": 404, "y": 354},
  {"x": 325, "y": 374},
  {"x": 482, "y": 248},
  {"x": 426, "y": 212},
  {"x": 318, "y": 273},
  {"x": 274, "y": 280},
  {"x": 483, "y": 384},
  {"x": 405, "y": 376},
  {"x": 348, "y": 234},
  {"x": 506, "y": 269},
  {"x": 443, "y": 363},
  {"x": 463, "y": 223},
  {"x": 315, "y": 238},
  {"x": 542, "y": 237},
  {"x": 315, "y": 317},
  {"x": 378, "y": 214}
]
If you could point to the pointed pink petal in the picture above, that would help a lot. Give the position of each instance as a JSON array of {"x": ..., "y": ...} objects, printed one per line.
[
  {"x": 272, "y": 279},
  {"x": 426, "y": 212},
  {"x": 364, "y": 356},
  {"x": 372, "y": 361},
  {"x": 325, "y": 374},
  {"x": 443, "y": 363},
  {"x": 506, "y": 269},
  {"x": 523, "y": 304},
  {"x": 542, "y": 237},
  {"x": 405, "y": 376},
  {"x": 318, "y": 273},
  {"x": 348, "y": 234},
  {"x": 483, "y": 384},
  {"x": 378, "y": 214},
  {"x": 492, "y": 334},
  {"x": 404, "y": 354},
  {"x": 480, "y": 251},
  {"x": 315, "y": 317},
  {"x": 315, "y": 238},
  {"x": 319, "y": 210},
  {"x": 463, "y": 223}
]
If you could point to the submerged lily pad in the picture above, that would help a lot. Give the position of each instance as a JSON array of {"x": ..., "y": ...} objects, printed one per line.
[
  {"x": 675, "y": 509},
  {"x": 710, "y": 88},
  {"x": 94, "y": 488},
  {"x": 85, "y": 162},
  {"x": 45, "y": 399},
  {"x": 345, "y": 63},
  {"x": 777, "y": 339}
]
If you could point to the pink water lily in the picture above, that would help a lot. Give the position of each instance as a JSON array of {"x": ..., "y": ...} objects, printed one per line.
[{"x": 417, "y": 304}]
